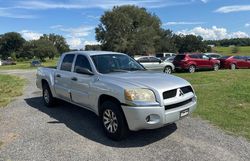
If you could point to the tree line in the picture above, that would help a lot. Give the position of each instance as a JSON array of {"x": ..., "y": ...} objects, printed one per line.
[
  {"x": 13, "y": 45},
  {"x": 228, "y": 42}
]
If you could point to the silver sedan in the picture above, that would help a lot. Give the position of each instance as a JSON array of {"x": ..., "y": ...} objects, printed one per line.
[{"x": 153, "y": 63}]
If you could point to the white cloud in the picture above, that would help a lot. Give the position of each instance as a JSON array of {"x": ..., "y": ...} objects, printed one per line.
[
  {"x": 247, "y": 25},
  {"x": 107, "y": 4},
  {"x": 56, "y": 26},
  {"x": 30, "y": 35},
  {"x": 204, "y": 1},
  {"x": 182, "y": 23},
  {"x": 75, "y": 43},
  {"x": 81, "y": 31},
  {"x": 10, "y": 13},
  {"x": 233, "y": 8},
  {"x": 213, "y": 33},
  {"x": 76, "y": 37}
]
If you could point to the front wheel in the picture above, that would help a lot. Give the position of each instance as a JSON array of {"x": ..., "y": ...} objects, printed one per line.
[
  {"x": 216, "y": 67},
  {"x": 168, "y": 70},
  {"x": 113, "y": 121}
]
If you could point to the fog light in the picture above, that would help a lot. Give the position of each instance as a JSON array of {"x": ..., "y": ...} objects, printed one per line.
[{"x": 153, "y": 119}]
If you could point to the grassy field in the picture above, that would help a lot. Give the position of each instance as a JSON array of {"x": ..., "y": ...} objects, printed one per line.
[
  {"x": 243, "y": 50},
  {"x": 223, "y": 99},
  {"x": 26, "y": 65},
  {"x": 10, "y": 87}
]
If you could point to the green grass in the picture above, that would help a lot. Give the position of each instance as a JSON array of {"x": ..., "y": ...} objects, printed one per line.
[
  {"x": 26, "y": 65},
  {"x": 1, "y": 143},
  {"x": 223, "y": 99},
  {"x": 10, "y": 87},
  {"x": 243, "y": 50}
]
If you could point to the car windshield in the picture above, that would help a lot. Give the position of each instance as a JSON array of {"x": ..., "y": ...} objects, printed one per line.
[{"x": 109, "y": 63}]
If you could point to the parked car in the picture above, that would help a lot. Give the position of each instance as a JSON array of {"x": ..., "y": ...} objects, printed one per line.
[
  {"x": 170, "y": 59},
  {"x": 35, "y": 63},
  {"x": 163, "y": 56},
  {"x": 193, "y": 62},
  {"x": 153, "y": 63},
  {"x": 0, "y": 62},
  {"x": 8, "y": 62},
  {"x": 118, "y": 89},
  {"x": 213, "y": 55},
  {"x": 235, "y": 62}
]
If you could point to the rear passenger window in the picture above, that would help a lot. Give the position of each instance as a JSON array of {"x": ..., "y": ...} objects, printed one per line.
[
  {"x": 67, "y": 62},
  {"x": 143, "y": 60},
  {"x": 193, "y": 56},
  {"x": 82, "y": 62}
]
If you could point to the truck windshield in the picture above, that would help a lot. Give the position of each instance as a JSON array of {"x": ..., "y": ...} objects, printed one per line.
[{"x": 115, "y": 63}]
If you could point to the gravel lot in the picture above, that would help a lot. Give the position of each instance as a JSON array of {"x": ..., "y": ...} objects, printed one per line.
[{"x": 30, "y": 131}]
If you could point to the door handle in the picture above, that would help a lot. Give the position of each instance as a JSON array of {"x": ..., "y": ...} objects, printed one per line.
[
  {"x": 74, "y": 79},
  {"x": 58, "y": 75}
]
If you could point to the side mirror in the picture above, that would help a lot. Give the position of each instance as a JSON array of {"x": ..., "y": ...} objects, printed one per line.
[{"x": 83, "y": 71}]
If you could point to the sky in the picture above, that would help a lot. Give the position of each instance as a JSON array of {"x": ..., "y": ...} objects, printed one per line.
[{"x": 76, "y": 19}]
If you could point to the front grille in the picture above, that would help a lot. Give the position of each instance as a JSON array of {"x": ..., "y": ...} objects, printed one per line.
[
  {"x": 172, "y": 93},
  {"x": 169, "y": 94},
  {"x": 187, "y": 89},
  {"x": 178, "y": 104}
]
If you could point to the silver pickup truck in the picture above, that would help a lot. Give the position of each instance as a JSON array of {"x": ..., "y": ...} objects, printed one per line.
[{"x": 118, "y": 89}]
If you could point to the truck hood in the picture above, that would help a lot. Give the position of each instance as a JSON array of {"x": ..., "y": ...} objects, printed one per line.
[{"x": 147, "y": 79}]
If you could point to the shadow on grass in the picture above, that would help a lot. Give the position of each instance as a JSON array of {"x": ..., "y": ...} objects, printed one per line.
[{"x": 87, "y": 124}]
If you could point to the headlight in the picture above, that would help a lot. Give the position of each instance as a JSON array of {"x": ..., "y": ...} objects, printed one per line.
[{"x": 144, "y": 95}]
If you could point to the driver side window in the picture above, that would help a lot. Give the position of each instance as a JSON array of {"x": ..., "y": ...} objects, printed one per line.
[{"x": 82, "y": 62}]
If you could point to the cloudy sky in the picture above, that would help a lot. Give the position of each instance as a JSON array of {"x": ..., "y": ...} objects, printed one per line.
[{"x": 77, "y": 19}]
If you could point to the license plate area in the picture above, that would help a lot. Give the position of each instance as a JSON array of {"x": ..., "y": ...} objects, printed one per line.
[{"x": 184, "y": 113}]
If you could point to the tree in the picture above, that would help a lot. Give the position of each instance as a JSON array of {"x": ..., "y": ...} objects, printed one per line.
[
  {"x": 10, "y": 42},
  {"x": 190, "y": 43},
  {"x": 43, "y": 48},
  {"x": 93, "y": 47},
  {"x": 166, "y": 42},
  {"x": 58, "y": 41},
  {"x": 129, "y": 29}
]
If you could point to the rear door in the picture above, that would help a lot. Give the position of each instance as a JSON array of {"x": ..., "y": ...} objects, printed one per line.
[
  {"x": 63, "y": 77},
  {"x": 80, "y": 83}
]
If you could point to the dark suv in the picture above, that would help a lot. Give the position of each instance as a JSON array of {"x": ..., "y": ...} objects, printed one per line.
[{"x": 192, "y": 62}]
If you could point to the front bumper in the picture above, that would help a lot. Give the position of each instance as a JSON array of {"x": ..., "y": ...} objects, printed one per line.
[{"x": 137, "y": 116}]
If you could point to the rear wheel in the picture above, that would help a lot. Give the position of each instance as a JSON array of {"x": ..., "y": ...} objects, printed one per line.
[
  {"x": 48, "y": 99},
  {"x": 216, "y": 67},
  {"x": 191, "y": 69},
  {"x": 113, "y": 121},
  {"x": 233, "y": 67},
  {"x": 168, "y": 70}
]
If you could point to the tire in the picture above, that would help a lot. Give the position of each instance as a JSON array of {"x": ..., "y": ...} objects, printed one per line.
[
  {"x": 113, "y": 121},
  {"x": 168, "y": 70},
  {"x": 232, "y": 66},
  {"x": 216, "y": 67},
  {"x": 191, "y": 69},
  {"x": 48, "y": 99}
]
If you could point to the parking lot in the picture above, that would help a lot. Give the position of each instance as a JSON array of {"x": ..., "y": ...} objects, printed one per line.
[{"x": 30, "y": 131}]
